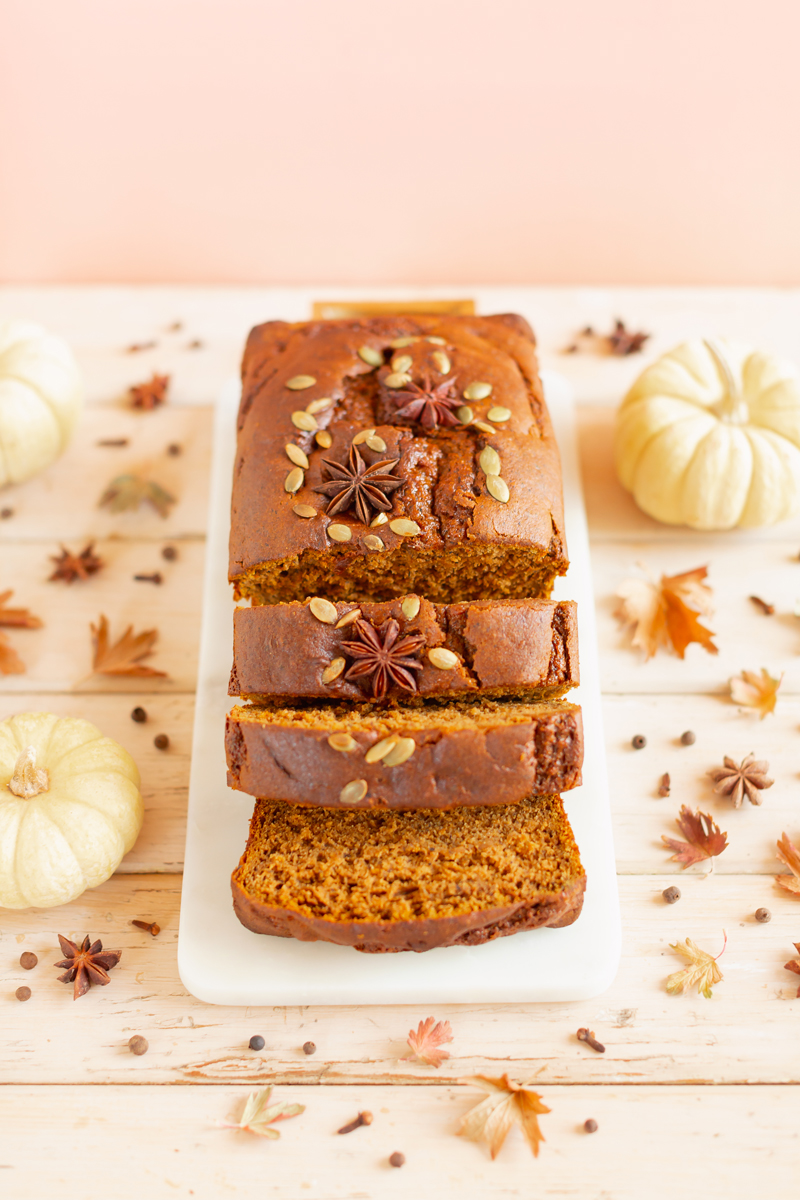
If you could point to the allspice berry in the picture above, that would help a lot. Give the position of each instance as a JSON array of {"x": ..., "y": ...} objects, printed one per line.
[
  {"x": 397, "y": 1159},
  {"x": 169, "y": 553},
  {"x": 138, "y": 1045},
  {"x": 161, "y": 741},
  {"x": 256, "y": 1042},
  {"x": 23, "y": 993},
  {"x": 639, "y": 741},
  {"x": 139, "y": 715},
  {"x": 590, "y": 1126},
  {"x": 688, "y": 738},
  {"x": 763, "y": 915},
  {"x": 309, "y": 1048},
  {"x": 671, "y": 894},
  {"x": 28, "y": 960}
]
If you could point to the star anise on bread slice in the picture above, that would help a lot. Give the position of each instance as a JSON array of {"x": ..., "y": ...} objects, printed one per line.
[
  {"x": 366, "y": 489},
  {"x": 431, "y": 405},
  {"x": 382, "y": 658},
  {"x": 86, "y": 964},
  {"x": 70, "y": 567},
  {"x": 748, "y": 779}
]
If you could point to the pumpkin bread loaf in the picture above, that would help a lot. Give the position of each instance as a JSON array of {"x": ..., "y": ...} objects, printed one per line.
[
  {"x": 440, "y": 755},
  {"x": 405, "y": 650},
  {"x": 386, "y": 881},
  {"x": 382, "y": 456}
]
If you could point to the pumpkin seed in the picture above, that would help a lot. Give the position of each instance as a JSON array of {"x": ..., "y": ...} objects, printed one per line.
[
  {"x": 498, "y": 413},
  {"x": 323, "y": 610},
  {"x": 296, "y": 455},
  {"x": 340, "y": 533},
  {"x": 402, "y": 752},
  {"x": 354, "y": 791},
  {"x": 404, "y": 528},
  {"x": 437, "y": 341},
  {"x": 323, "y": 439},
  {"x": 400, "y": 343},
  {"x": 410, "y": 607},
  {"x": 441, "y": 360},
  {"x": 489, "y": 460},
  {"x": 380, "y": 749},
  {"x": 465, "y": 414},
  {"x": 342, "y": 742},
  {"x": 484, "y": 427},
  {"x": 372, "y": 542},
  {"x": 363, "y": 436},
  {"x": 397, "y": 380},
  {"x": 381, "y": 519},
  {"x": 376, "y": 443},
  {"x": 445, "y": 660},
  {"x": 304, "y": 510},
  {"x": 348, "y": 618},
  {"x": 304, "y": 420},
  {"x": 477, "y": 391},
  {"x": 294, "y": 480},
  {"x": 402, "y": 363},
  {"x": 319, "y": 405},
  {"x": 334, "y": 670},
  {"x": 299, "y": 383},
  {"x": 370, "y": 355},
  {"x": 498, "y": 488}
]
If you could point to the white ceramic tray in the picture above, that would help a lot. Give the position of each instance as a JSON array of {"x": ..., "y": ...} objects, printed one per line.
[{"x": 221, "y": 962}]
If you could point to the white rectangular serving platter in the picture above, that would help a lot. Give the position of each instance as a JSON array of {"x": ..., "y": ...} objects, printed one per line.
[{"x": 221, "y": 962}]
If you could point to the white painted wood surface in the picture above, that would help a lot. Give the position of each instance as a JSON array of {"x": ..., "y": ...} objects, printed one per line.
[{"x": 662, "y": 1128}]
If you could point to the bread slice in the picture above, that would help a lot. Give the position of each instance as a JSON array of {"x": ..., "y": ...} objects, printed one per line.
[
  {"x": 433, "y": 756},
  {"x": 496, "y": 648},
  {"x": 388, "y": 881}
]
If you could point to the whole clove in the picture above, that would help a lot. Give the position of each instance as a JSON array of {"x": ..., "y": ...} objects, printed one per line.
[
  {"x": 154, "y": 578},
  {"x": 150, "y": 927},
  {"x": 762, "y": 606},
  {"x": 585, "y": 1035},
  {"x": 363, "y": 1118}
]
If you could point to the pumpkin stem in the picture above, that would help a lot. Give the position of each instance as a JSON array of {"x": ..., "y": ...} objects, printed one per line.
[
  {"x": 28, "y": 780},
  {"x": 732, "y": 408}
]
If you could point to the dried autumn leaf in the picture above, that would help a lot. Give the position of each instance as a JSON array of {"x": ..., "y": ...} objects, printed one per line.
[
  {"x": 17, "y": 618},
  {"x": 794, "y": 964},
  {"x": 789, "y": 855},
  {"x": 426, "y": 1041},
  {"x": 506, "y": 1104},
  {"x": 703, "y": 838},
  {"x": 131, "y": 491},
  {"x": 665, "y": 614},
  {"x": 258, "y": 1117},
  {"x": 702, "y": 971},
  {"x": 10, "y": 661},
  {"x": 123, "y": 657},
  {"x": 758, "y": 692}
]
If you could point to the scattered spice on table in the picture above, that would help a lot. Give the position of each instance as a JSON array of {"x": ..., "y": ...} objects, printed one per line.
[
  {"x": 70, "y": 567},
  {"x": 748, "y": 779},
  {"x": 256, "y": 1042},
  {"x": 762, "y": 606},
  {"x": 174, "y": 449},
  {"x": 704, "y": 839},
  {"x": 702, "y": 971},
  {"x": 161, "y": 741},
  {"x": 258, "y": 1116},
  {"x": 5, "y": 513},
  {"x": 149, "y": 395},
  {"x": 23, "y": 993},
  {"x": 665, "y": 614},
  {"x": 138, "y": 1045},
  {"x": 426, "y": 1041},
  {"x": 139, "y": 715},
  {"x": 397, "y": 1159},
  {"x": 169, "y": 553},
  {"x": 154, "y": 578},
  {"x": 789, "y": 855},
  {"x": 151, "y": 927},
  {"x": 138, "y": 347},
  {"x": 587, "y": 1035},
  {"x": 175, "y": 327},
  {"x": 639, "y": 741},
  {"x": 86, "y": 964},
  {"x": 309, "y": 1048},
  {"x": 671, "y": 894},
  {"x": 763, "y": 915},
  {"x": 195, "y": 344},
  {"x": 28, "y": 960},
  {"x": 664, "y": 785},
  {"x": 756, "y": 691},
  {"x": 620, "y": 342},
  {"x": 122, "y": 441},
  {"x": 590, "y": 1126},
  {"x": 363, "y": 1118},
  {"x": 507, "y": 1103},
  {"x": 688, "y": 738},
  {"x": 123, "y": 657},
  {"x": 794, "y": 964},
  {"x": 128, "y": 492}
]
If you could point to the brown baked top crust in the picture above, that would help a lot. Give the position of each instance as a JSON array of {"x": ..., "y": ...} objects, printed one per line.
[
  {"x": 386, "y": 882},
  {"x": 276, "y": 554},
  {"x": 485, "y": 753},
  {"x": 502, "y": 647}
]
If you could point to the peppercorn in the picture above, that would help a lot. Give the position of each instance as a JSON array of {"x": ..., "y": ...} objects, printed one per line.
[
  {"x": 397, "y": 1159},
  {"x": 138, "y": 1045},
  {"x": 639, "y": 741},
  {"x": 309, "y": 1048},
  {"x": 256, "y": 1042},
  {"x": 139, "y": 715},
  {"x": 590, "y": 1126},
  {"x": 688, "y": 738},
  {"x": 28, "y": 960},
  {"x": 169, "y": 553},
  {"x": 763, "y": 915},
  {"x": 161, "y": 741},
  {"x": 5, "y": 513},
  {"x": 23, "y": 993},
  {"x": 671, "y": 894},
  {"x": 174, "y": 449}
]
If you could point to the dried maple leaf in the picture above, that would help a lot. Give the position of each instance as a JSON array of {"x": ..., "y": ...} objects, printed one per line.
[
  {"x": 794, "y": 964},
  {"x": 752, "y": 691},
  {"x": 10, "y": 661},
  {"x": 132, "y": 491},
  {"x": 665, "y": 614},
  {"x": 151, "y": 394},
  {"x": 70, "y": 567},
  {"x": 703, "y": 838},
  {"x": 748, "y": 779},
  {"x": 427, "y": 1039},
  {"x": 123, "y": 657},
  {"x": 18, "y": 618},
  {"x": 790, "y": 856},
  {"x": 506, "y": 1103},
  {"x": 258, "y": 1117},
  {"x": 702, "y": 971}
]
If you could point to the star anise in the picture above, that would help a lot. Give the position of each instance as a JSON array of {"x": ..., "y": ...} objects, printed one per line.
[
  {"x": 383, "y": 658},
  {"x": 149, "y": 395},
  {"x": 86, "y": 964},
  {"x": 431, "y": 405},
  {"x": 748, "y": 779},
  {"x": 355, "y": 485},
  {"x": 622, "y": 341},
  {"x": 70, "y": 567}
]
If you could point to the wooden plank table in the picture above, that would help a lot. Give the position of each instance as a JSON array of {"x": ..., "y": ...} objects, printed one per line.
[{"x": 107, "y": 1123}]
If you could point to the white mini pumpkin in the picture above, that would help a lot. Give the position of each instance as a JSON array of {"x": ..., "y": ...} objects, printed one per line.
[
  {"x": 41, "y": 397},
  {"x": 70, "y": 808},
  {"x": 709, "y": 436}
]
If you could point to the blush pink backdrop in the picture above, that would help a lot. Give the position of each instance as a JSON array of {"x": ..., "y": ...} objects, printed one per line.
[{"x": 622, "y": 141}]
